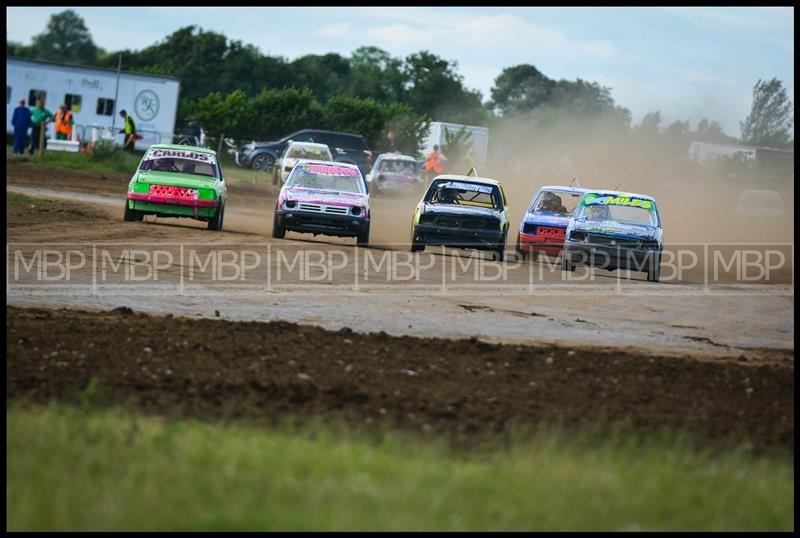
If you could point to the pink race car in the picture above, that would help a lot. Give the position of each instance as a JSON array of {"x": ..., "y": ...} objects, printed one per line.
[{"x": 324, "y": 197}]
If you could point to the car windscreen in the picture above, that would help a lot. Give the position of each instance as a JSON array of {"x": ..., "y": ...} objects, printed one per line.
[
  {"x": 398, "y": 166},
  {"x": 308, "y": 152},
  {"x": 345, "y": 141},
  {"x": 326, "y": 177},
  {"x": 467, "y": 193},
  {"x": 554, "y": 202},
  {"x": 179, "y": 162},
  {"x": 625, "y": 209}
]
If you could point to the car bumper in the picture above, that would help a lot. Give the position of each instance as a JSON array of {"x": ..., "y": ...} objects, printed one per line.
[
  {"x": 436, "y": 235},
  {"x": 611, "y": 257},
  {"x": 318, "y": 223},
  {"x": 552, "y": 246},
  {"x": 169, "y": 200}
]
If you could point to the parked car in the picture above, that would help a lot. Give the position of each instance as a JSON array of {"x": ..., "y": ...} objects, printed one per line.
[
  {"x": 462, "y": 212},
  {"x": 345, "y": 148},
  {"x": 294, "y": 152},
  {"x": 760, "y": 203},
  {"x": 615, "y": 230},
  {"x": 178, "y": 181},
  {"x": 323, "y": 197},
  {"x": 394, "y": 172},
  {"x": 544, "y": 224}
]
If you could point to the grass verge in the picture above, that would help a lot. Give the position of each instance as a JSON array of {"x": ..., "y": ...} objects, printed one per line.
[
  {"x": 86, "y": 469},
  {"x": 20, "y": 199}
]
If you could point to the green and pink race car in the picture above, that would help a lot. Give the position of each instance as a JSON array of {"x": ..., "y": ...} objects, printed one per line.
[{"x": 178, "y": 181}]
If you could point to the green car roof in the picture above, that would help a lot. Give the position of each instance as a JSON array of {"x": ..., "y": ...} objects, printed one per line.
[{"x": 183, "y": 147}]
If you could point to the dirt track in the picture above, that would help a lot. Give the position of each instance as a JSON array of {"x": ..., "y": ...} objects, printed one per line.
[
  {"x": 717, "y": 362},
  {"x": 267, "y": 372},
  {"x": 668, "y": 318}
]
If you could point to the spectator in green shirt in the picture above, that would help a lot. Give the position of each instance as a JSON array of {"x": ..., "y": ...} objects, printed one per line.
[
  {"x": 39, "y": 117},
  {"x": 129, "y": 131}
]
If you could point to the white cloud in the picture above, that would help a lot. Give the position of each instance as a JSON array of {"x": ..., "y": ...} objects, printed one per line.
[{"x": 340, "y": 29}]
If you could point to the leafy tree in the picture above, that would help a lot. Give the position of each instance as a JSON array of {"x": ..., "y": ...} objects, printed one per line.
[
  {"x": 354, "y": 115},
  {"x": 376, "y": 74},
  {"x": 66, "y": 39},
  {"x": 584, "y": 98},
  {"x": 677, "y": 129},
  {"x": 521, "y": 88},
  {"x": 650, "y": 123},
  {"x": 711, "y": 131},
  {"x": 278, "y": 112},
  {"x": 456, "y": 144},
  {"x": 771, "y": 117},
  {"x": 326, "y": 75},
  {"x": 18, "y": 49},
  {"x": 410, "y": 129},
  {"x": 433, "y": 87}
]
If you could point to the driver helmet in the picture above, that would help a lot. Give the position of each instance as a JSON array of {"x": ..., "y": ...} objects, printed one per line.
[
  {"x": 550, "y": 201},
  {"x": 448, "y": 196},
  {"x": 164, "y": 164},
  {"x": 599, "y": 212}
]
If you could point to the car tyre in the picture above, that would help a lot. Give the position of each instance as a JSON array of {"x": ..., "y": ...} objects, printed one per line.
[
  {"x": 263, "y": 163},
  {"x": 278, "y": 231},
  {"x": 216, "y": 223},
  {"x": 362, "y": 240},
  {"x": 565, "y": 263},
  {"x": 415, "y": 246},
  {"x": 500, "y": 251},
  {"x": 131, "y": 215},
  {"x": 654, "y": 269}
]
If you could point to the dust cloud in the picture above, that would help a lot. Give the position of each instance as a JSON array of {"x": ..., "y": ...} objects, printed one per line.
[{"x": 697, "y": 203}]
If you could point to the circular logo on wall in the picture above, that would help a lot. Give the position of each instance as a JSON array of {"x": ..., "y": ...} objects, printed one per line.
[{"x": 146, "y": 105}]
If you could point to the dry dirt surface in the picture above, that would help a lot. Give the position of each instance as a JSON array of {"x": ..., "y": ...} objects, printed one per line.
[
  {"x": 267, "y": 372},
  {"x": 665, "y": 318}
]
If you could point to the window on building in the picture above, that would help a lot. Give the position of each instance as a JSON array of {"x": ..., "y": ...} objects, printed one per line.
[
  {"x": 8, "y": 94},
  {"x": 35, "y": 95},
  {"x": 105, "y": 107},
  {"x": 73, "y": 102}
]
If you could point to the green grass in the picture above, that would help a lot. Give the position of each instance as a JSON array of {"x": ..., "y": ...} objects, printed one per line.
[
  {"x": 84, "y": 469},
  {"x": 21, "y": 199},
  {"x": 118, "y": 161},
  {"x": 123, "y": 162}
]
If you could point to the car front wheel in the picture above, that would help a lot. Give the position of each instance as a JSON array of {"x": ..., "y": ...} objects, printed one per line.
[
  {"x": 362, "y": 240},
  {"x": 278, "y": 231}
]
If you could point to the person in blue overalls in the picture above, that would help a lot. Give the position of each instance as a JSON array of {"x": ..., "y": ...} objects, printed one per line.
[{"x": 21, "y": 122}]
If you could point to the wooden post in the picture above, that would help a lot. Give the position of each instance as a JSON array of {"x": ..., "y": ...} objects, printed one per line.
[{"x": 42, "y": 129}]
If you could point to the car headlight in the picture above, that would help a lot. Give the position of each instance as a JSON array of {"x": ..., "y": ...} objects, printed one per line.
[
  {"x": 649, "y": 244},
  {"x": 290, "y": 204},
  {"x": 426, "y": 219},
  {"x": 355, "y": 211}
]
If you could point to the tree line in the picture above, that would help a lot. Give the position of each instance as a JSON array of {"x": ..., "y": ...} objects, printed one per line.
[{"x": 231, "y": 88}]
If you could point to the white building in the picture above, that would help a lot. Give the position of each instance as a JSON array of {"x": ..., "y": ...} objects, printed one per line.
[{"x": 152, "y": 100}]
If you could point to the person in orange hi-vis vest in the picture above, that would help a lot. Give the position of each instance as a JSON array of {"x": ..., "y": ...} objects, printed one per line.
[
  {"x": 433, "y": 162},
  {"x": 64, "y": 123}
]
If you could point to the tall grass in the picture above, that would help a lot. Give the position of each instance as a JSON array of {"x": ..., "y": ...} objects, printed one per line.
[{"x": 82, "y": 469}]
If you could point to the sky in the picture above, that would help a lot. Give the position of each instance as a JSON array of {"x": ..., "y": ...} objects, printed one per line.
[{"x": 688, "y": 63}]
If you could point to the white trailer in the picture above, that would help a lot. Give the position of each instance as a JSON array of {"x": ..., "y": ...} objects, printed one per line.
[
  {"x": 479, "y": 138},
  {"x": 152, "y": 100}
]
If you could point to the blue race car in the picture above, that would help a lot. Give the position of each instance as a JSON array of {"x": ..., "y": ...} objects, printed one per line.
[
  {"x": 545, "y": 222},
  {"x": 615, "y": 230}
]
